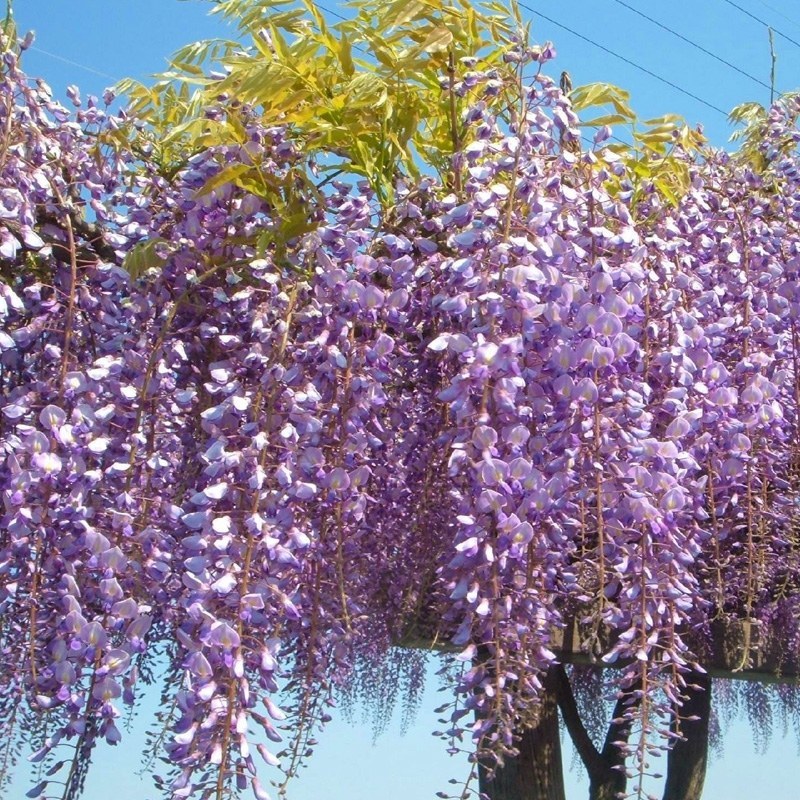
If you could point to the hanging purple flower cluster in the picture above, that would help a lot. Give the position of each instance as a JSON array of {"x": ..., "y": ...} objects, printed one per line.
[{"x": 483, "y": 418}]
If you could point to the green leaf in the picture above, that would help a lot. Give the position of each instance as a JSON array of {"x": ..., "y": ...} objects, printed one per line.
[
  {"x": 599, "y": 94},
  {"x": 666, "y": 119},
  {"x": 655, "y": 136},
  {"x": 606, "y": 119},
  {"x": 664, "y": 187},
  {"x": 296, "y": 225},
  {"x": 402, "y": 12},
  {"x": 282, "y": 50},
  {"x": 345, "y": 54},
  {"x": 227, "y": 175},
  {"x": 438, "y": 39},
  {"x": 143, "y": 257}
]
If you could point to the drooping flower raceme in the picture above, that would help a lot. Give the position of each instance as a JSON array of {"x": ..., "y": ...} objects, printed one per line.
[{"x": 268, "y": 461}]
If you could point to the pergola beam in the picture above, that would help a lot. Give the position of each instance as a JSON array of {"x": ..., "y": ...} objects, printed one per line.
[{"x": 735, "y": 651}]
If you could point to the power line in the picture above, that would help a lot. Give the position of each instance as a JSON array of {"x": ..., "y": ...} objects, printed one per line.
[
  {"x": 73, "y": 63},
  {"x": 628, "y": 61},
  {"x": 780, "y": 13},
  {"x": 762, "y": 22},
  {"x": 693, "y": 44},
  {"x": 333, "y": 13}
]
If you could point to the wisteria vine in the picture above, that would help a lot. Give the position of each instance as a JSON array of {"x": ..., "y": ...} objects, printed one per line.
[{"x": 472, "y": 419}]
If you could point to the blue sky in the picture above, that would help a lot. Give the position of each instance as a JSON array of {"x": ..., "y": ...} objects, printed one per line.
[
  {"x": 120, "y": 38},
  {"x": 92, "y": 43}
]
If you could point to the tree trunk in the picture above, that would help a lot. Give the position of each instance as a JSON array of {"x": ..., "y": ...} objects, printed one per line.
[
  {"x": 607, "y": 779},
  {"x": 607, "y": 785},
  {"x": 536, "y": 773},
  {"x": 686, "y": 762}
]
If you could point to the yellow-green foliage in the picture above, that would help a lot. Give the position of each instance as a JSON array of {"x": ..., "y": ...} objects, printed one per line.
[
  {"x": 365, "y": 95},
  {"x": 657, "y": 154},
  {"x": 752, "y": 119},
  {"x": 366, "y": 91}
]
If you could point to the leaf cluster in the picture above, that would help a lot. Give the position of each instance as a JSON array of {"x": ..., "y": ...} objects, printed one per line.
[
  {"x": 753, "y": 121},
  {"x": 375, "y": 94},
  {"x": 660, "y": 149}
]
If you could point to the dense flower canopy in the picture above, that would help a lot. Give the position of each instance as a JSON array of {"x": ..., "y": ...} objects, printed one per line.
[{"x": 470, "y": 418}]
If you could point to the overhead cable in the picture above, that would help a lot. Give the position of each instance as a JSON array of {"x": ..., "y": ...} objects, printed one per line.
[
  {"x": 332, "y": 12},
  {"x": 780, "y": 13},
  {"x": 693, "y": 44},
  {"x": 762, "y": 22},
  {"x": 628, "y": 61},
  {"x": 73, "y": 63}
]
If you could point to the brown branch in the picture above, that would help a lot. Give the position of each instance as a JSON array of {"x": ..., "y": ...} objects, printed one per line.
[
  {"x": 88, "y": 231},
  {"x": 606, "y": 777},
  {"x": 592, "y": 760},
  {"x": 71, "y": 301},
  {"x": 453, "y": 109},
  {"x": 619, "y": 730}
]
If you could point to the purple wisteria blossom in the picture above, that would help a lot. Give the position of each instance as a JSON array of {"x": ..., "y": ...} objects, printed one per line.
[{"x": 265, "y": 463}]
